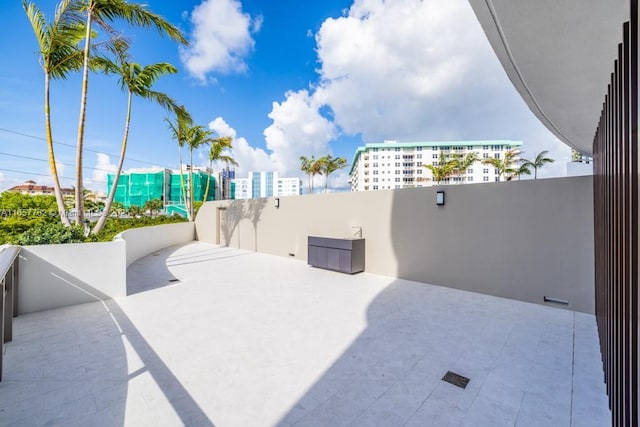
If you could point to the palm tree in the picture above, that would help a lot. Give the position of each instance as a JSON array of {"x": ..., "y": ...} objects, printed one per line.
[
  {"x": 102, "y": 12},
  {"x": 504, "y": 166},
  {"x": 179, "y": 128},
  {"x": 328, "y": 165},
  {"x": 523, "y": 169},
  {"x": 306, "y": 165},
  {"x": 447, "y": 166},
  {"x": 218, "y": 145},
  {"x": 59, "y": 55},
  {"x": 117, "y": 207},
  {"x": 136, "y": 80},
  {"x": 538, "y": 162},
  {"x": 153, "y": 205},
  {"x": 135, "y": 211},
  {"x": 196, "y": 136}
]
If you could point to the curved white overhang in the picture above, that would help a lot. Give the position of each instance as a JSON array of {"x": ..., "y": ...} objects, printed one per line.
[{"x": 559, "y": 54}]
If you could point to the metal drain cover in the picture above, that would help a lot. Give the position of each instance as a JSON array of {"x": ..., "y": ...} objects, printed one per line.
[{"x": 456, "y": 379}]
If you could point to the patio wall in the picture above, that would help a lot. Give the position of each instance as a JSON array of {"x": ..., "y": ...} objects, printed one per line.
[
  {"x": 522, "y": 240},
  {"x": 53, "y": 276},
  {"x": 146, "y": 240}
]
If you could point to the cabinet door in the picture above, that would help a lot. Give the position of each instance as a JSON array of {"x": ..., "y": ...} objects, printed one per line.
[
  {"x": 312, "y": 255},
  {"x": 345, "y": 261},
  {"x": 333, "y": 259},
  {"x": 322, "y": 257}
]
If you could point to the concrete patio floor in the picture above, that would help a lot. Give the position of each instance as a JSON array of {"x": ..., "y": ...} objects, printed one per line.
[{"x": 217, "y": 336}]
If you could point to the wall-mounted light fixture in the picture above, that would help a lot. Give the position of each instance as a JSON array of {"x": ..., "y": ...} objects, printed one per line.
[
  {"x": 276, "y": 202},
  {"x": 440, "y": 198}
]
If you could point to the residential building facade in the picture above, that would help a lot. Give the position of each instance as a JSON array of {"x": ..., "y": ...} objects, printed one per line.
[
  {"x": 395, "y": 165},
  {"x": 32, "y": 189},
  {"x": 265, "y": 184}
]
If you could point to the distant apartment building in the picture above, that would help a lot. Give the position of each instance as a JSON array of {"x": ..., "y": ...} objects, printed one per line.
[
  {"x": 265, "y": 184},
  {"x": 31, "y": 188},
  {"x": 394, "y": 165}
]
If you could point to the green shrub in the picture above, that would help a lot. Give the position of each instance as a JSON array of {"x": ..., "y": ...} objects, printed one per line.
[{"x": 51, "y": 233}]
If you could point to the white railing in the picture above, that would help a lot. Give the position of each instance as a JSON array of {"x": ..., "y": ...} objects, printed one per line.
[{"x": 9, "y": 294}]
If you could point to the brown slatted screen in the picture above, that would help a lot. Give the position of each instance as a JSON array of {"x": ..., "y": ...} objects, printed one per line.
[{"x": 615, "y": 151}]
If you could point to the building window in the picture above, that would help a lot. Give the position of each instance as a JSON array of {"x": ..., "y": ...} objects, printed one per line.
[
  {"x": 375, "y": 179},
  {"x": 419, "y": 156},
  {"x": 434, "y": 148},
  {"x": 375, "y": 150},
  {"x": 485, "y": 170},
  {"x": 375, "y": 165},
  {"x": 469, "y": 170},
  {"x": 397, "y": 148},
  {"x": 485, "y": 178},
  {"x": 485, "y": 147},
  {"x": 469, "y": 147},
  {"x": 497, "y": 178},
  {"x": 419, "y": 163},
  {"x": 397, "y": 179},
  {"x": 435, "y": 163},
  {"x": 397, "y": 164},
  {"x": 419, "y": 171},
  {"x": 375, "y": 172},
  {"x": 497, "y": 155},
  {"x": 470, "y": 179},
  {"x": 397, "y": 172},
  {"x": 375, "y": 187},
  {"x": 397, "y": 156},
  {"x": 496, "y": 171},
  {"x": 375, "y": 157},
  {"x": 418, "y": 148},
  {"x": 434, "y": 156},
  {"x": 485, "y": 155}
]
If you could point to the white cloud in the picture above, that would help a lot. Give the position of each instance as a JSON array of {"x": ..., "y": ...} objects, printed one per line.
[
  {"x": 298, "y": 129},
  {"x": 103, "y": 166},
  {"x": 411, "y": 70},
  {"x": 249, "y": 158},
  {"x": 220, "y": 39}
]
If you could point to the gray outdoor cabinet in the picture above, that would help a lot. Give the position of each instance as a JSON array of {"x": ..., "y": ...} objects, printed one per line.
[{"x": 344, "y": 255}]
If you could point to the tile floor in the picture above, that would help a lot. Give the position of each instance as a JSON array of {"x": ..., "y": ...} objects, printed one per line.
[{"x": 246, "y": 339}]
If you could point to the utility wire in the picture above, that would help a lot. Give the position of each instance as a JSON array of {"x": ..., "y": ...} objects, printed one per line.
[
  {"x": 44, "y": 174},
  {"x": 47, "y": 161},
  {"x": 73, "y": 146}
]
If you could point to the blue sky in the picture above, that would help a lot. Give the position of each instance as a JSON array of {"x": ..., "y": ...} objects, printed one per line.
[{"x": 284, "y": 78}]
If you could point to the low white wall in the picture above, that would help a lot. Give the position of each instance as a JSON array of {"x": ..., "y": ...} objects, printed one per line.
[
  {"x": 53, "y": 276},
  {"x": 521, "y": 239},
  {"x": 143, "y": 241}
]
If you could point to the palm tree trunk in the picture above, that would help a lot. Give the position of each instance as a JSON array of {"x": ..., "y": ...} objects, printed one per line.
[
  {"x": 206, "y": 190},
  {"x": 107, "y": 206},
  {"x": 183, "y": 189},
  {"x": 535, "y": 172},
  {"x": 81, "y": 120},
  {"x": 326, "y": 183},
  {"x": 191, "y": 213},
  {"x": 62, "y": 210}
]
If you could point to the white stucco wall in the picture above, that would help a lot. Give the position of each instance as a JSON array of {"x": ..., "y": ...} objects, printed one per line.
[
  {"x": 53, "y": 276},
  {"x": 143, "y": 241},
  {"x": 521, "y": 239}
]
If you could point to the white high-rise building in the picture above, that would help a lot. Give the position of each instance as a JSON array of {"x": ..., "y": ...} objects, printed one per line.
[
  {"x": 393, "y": 164},
  {"x": 265, "y": 184}
]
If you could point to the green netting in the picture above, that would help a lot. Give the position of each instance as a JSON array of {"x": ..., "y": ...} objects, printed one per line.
[
  {"x": 138, "y": 188},
  {"x": 135, "y": 189}
]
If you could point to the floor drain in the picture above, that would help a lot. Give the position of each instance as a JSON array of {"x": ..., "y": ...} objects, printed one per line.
[
  {"x": 456, "y": 379},
  {"x": 174, "y": 280}
]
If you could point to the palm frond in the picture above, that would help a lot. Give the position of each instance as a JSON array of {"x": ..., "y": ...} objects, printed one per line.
[{"x": 137, "y": 15}]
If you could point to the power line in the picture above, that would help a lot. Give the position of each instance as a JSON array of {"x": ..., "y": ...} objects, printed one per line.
[
  {"x": 47, "y": 161},
  {"x": 73, "y": 146},
  {"x": 47, "y": 175}
]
